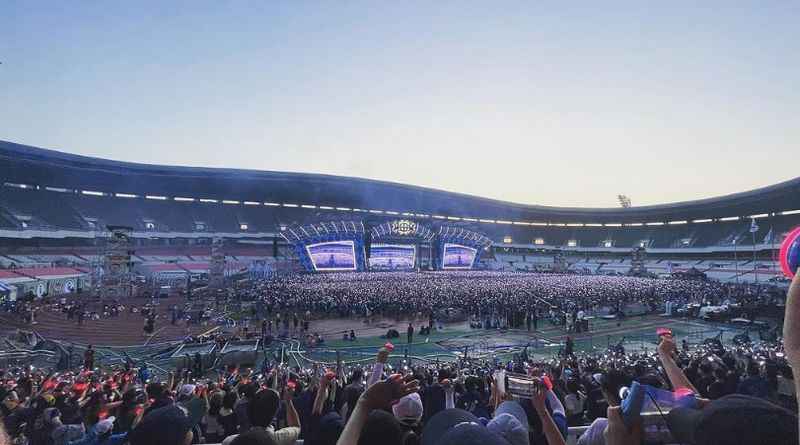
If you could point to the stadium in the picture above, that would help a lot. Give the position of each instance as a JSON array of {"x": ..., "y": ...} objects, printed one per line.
[
  {"x": 190, "y": 228},
  {"x": 205, "y": 269},
  {"x": 399, "y": 223}
]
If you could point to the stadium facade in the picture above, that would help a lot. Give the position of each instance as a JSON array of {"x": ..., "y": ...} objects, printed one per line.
[{"x": 55, "y": 200}]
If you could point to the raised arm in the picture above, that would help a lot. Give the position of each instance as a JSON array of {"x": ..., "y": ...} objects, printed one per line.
[
  {"x": 675, "y": 374},
  {"x": 549, "y": 428},
  {"x": 791, "y": 328}
]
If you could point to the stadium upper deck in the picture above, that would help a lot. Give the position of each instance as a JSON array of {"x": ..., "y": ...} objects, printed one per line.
[{"x": 50, "y": 194}]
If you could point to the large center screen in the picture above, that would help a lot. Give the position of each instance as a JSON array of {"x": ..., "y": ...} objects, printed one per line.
[
  {"x": 392, "y": 257},
  {"x": 457, "y": 256},
  {"x": 333, "y": 255}
]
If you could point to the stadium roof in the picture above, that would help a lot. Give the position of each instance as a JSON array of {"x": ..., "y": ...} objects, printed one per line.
[{"x": 24, "y": 164}]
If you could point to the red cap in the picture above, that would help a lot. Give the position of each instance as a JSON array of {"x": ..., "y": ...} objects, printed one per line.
[
  {"x": 389, "y": 346},
  {"x": 330, "y": 375},
  {"x": 291, "y": 384}
]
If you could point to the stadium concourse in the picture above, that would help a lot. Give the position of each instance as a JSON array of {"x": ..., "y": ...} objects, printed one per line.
[{"x": 154, "y": 304}]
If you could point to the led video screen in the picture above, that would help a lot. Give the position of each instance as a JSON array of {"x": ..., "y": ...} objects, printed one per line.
[
  {"x": 456, "y": 256},
  {"x": 333, "y": 255},
  {"x": 392, "y": 257}
]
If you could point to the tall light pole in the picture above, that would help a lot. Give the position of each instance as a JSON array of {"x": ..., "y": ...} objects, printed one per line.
[
  {"x": 735, "y": 259},
  {"x": 755, "y": 266}
]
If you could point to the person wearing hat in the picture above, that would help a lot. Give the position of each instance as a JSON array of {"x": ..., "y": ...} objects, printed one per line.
[
  {"x": 734, "y": 420},
  {"x": 455, "y": 426},
  {"x": 169, "y": 425},
  {"x": 408, "y": 412},
  {"x": 511, "y": 422}
]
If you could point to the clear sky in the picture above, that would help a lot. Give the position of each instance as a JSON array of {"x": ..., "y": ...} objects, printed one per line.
[{"x": 556, "y": 103}]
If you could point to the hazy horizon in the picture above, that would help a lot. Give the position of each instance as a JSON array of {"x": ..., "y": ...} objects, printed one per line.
[{"x": 545, "y": 104}]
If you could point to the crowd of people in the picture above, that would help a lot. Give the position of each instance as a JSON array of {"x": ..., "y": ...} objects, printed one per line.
[
  {"x": 479, "y": 294},
  {"x": 742, "y": 394},
  {"x": 393, "y": 402}
]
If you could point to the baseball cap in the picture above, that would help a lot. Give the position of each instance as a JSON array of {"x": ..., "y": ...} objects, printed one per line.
[
  {"x": 408, "y": 409},
  {"x": 167, "y": 425},
  {"x": 458, "y": 427},
  {"x": 734, "y": 419},
  {"x": 510, "y": 422}
]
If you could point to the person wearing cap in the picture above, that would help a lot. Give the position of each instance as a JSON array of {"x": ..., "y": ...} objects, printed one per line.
[
  {"x": 511, "y": 422},
  {"x": 408, "y": 412},
  {"x": 455, "y": 426},
  {"x": 169, "y": 425}
]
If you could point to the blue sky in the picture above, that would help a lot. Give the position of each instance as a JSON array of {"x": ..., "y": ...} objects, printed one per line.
[{"x": 533, "y": 102}]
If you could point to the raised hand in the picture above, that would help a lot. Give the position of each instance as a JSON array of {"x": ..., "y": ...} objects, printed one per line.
[{"x": 382, "y": 394}]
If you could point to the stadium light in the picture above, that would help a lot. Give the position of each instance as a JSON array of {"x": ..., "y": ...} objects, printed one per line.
[
  {"x": 272, "y": 204},
  {"x": 208, "y": 200},
  {"x": 230, "y": 201},
  {"x": 392, "y": 212},
  {"x": 593, "y": 225},
  {"x": 539, "y": 224},
  {"x": 181, "y": 199},
  {"x": 634, "y": 225},
  {"x": 325, "y": 208},
  {"x": 612, "y": 225},
  {"x": 308, "y": 206},
  {"x": 470, "y": 219},
  {"x": 454, "y": 218},
  {"x": 91, "y": 193},
  {"x": 490, "y": 221},
  {"x": 574, "y": 224},
  {"x": 156, "y": 197},
  {"x": 500, "y": 221},
  {"x": 655, "y": 224},
  {"x": 252, "y": 203},
  {"x": 56, "y": 189},
  {"x": 675, "y": 223},
  {"x": 439, "y": 217},
  {"x": 539, "y": 241},
  {"x": 790, "y": 212},
  {"x": 760, "y": 215},
  {"x": 290, "y": 205},
  {"x": 125, "y": 195},
  {"x": 730, "y": 218},
  {"x": 700, "y": 221}
]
